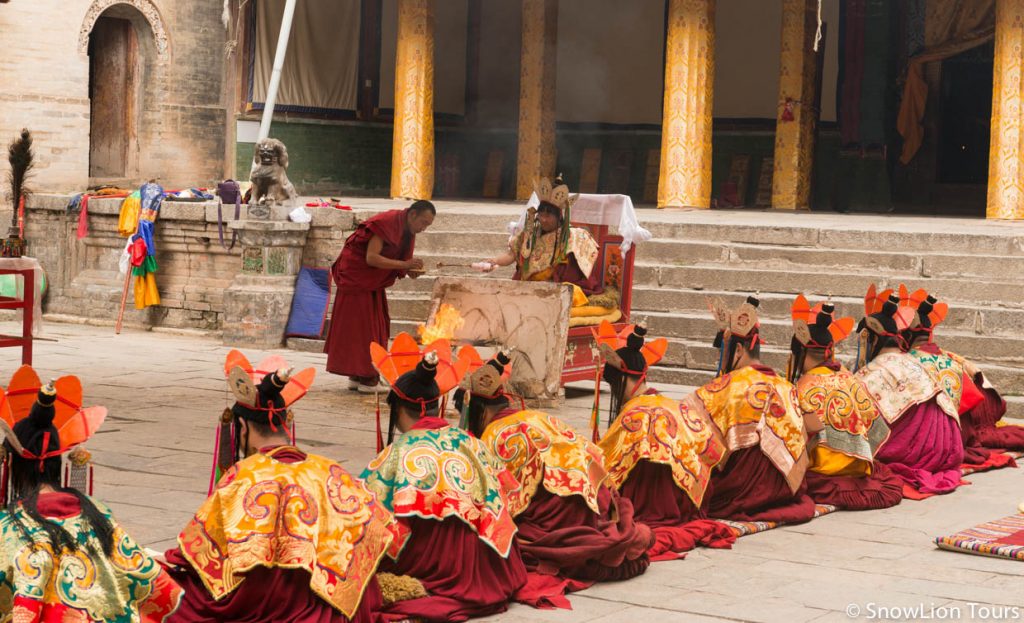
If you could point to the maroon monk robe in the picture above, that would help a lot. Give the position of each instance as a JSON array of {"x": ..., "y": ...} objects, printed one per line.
[
  {"x": 881, "y": 489},
  {"x": 748, "y": 487},
  {"x": 266, "y": 594},
  {"x": 978, "y": 426},
  {"x": 925, "y": 449},
  {"x": 562, "y": 535},
  {"x": 360, "y": 314},
  {"x": 464, "y": 576},
  {"x": 58, "y": 505},
  {"x": 678, "y": 525},
  {"x": 751, "y": 488}
]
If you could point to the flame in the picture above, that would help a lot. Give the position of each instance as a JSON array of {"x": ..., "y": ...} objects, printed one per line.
[{"x": 446, "y": 322}]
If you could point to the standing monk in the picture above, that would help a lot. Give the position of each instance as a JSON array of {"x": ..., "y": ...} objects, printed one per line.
[{"x": 378, "y": 252}]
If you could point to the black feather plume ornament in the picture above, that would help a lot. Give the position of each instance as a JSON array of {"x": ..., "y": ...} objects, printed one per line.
[{"x": 21, "y": 159}]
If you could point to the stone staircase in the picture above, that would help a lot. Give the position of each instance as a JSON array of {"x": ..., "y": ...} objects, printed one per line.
[{"x": 981, "y": 275}]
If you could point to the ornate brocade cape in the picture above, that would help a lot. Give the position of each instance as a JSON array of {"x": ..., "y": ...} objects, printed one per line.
[
  {"x": 947, "y": 372},
  {"x": 440, "y": 473},
  {"x": 852, "y": 424},
  {"x": 752, "y": 408},
  {"x": 899, "y": 381},
  {"x": 309, "y": 515},
  {"x": 539, "y": 448},
  {"x": 658, "y": 429},
  {"x": 544, "y": 254},
  {"x": 37, "y": 584}
]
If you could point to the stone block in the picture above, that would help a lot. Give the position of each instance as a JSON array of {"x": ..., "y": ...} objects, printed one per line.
[
  {"x": 256, "y": 311},
  {"x": 182, "y": 211},
  {"x": 332, "y": 218},
  {"x": 530, "y": 317}
]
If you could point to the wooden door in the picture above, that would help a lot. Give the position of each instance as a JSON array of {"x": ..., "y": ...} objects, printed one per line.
[{"x": 113, "y": 51}]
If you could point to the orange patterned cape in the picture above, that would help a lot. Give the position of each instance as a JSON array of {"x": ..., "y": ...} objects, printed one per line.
[
  {"x": 308, "y": 515},
  {"x": 37, "y": 584},
  {"x": 444, "y": 472},
  {"x": 537, "y": 447},
  {"x": 897, "y": 382},
  {"x": 661, "y": 430},
  {"x": 752, "y": 408},
  {"x": 852, "y": 423}
]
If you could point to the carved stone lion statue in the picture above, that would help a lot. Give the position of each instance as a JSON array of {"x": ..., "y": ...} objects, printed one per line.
[{"x": 269, "y": 177}]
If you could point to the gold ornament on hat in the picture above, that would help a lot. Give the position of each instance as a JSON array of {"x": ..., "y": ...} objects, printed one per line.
[
  {"x": 556, "y": 193},
  {"x": 486, "y": 380},
  {"x": 739, "y": 322}
]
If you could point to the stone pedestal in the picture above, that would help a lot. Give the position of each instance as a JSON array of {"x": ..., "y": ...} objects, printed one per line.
[{"x": 259, "y": 299}]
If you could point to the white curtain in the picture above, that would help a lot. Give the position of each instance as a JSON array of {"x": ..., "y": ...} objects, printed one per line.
[{"x": 321, "y": 68}]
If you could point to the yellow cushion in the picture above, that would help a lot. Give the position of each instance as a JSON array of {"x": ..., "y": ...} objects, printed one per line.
[
  {"x": 586, "y": 321},
  {"x": 590, "y": 310},
  {"x": 828, "y": 462}
]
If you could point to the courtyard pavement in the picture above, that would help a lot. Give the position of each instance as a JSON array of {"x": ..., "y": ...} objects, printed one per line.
[{"x": 165, "y": 391}]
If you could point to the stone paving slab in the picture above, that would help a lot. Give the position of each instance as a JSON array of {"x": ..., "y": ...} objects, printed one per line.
[{"x": 165, "y": 392}]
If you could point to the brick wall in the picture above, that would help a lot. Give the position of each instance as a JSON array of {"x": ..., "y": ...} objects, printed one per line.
[{"x": 44, "y": 86}]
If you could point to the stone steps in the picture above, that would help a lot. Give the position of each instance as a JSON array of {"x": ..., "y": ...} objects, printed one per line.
[
  {"x": 687, "y": 262},
  {"x": 698, "y": 253}
]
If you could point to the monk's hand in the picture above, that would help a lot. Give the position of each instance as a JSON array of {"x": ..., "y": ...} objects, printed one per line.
[
  {"x": 486, "y": 266},
  {"x": 415, "y": 264}
]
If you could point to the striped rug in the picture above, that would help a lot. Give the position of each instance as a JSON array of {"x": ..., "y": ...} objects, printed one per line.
[{"x": 1002, "y": 538}]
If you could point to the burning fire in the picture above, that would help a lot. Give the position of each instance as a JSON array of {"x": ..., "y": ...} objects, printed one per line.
[{"x": 446, "y": 322}]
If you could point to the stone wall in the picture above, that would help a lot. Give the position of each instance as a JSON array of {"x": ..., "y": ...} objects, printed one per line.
[
  {"x": 45, "y": 87},
  {"x": 193, "y": 269}
]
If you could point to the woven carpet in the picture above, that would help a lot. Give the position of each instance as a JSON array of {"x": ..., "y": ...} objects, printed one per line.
[
  {"x": 743, "y": 528},
  {"x": 1002, "y": 538}
]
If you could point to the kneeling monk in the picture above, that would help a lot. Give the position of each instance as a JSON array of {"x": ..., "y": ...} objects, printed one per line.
[
  {"x": 286, "y": 535},
  {"x": 843, "y": 421},
  {"x": 571, "y": 522},
  {"x": 755, "y": 409},
  {"x": 925, "y": 448},
  {"x": 981, "y": 406},
  {"x": 659, "y": 453},
  {"x": 450, "y": 495},
  {"x": 62, "y": 555}
]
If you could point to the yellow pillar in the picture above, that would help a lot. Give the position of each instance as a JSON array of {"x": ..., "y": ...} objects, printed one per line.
[
  {"x": 1006, "y": 158},
  {"x": 536, "y": 155},
  {"x": 796, "y": 119},
  {"x": 412, "y": 157},
  {"x": 685, "y": 178}
]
